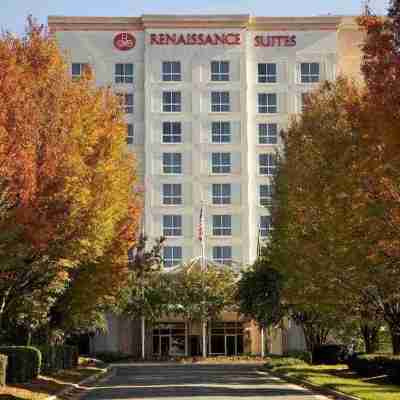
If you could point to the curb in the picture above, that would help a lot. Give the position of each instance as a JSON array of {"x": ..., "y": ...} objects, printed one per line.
[
  {"x": 334, "y": 394},
  {"x": 76, "y": 386}
]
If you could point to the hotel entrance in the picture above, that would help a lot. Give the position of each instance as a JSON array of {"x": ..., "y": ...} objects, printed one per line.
[
  {"x": 169, "y": 339},
  {"x": 226, "y": 338}
]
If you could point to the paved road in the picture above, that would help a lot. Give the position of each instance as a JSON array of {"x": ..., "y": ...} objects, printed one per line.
[{"x": 200, "y": 382}]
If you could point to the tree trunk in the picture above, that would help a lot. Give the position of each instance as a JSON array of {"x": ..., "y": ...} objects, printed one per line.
[
  {"x": 370, "y": 335},
  {"x": 395, "y": 342}
]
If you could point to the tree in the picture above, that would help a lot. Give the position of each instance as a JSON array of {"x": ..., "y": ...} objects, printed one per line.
[
  {"x": 259, "y": 294},
  {"x": 67, "y": 208}
]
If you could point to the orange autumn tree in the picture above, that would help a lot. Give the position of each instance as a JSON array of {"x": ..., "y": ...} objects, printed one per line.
[{"x": 67, "y": 205}]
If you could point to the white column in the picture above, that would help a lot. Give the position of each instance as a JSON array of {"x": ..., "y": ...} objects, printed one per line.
[
  {"x": 262, "y": 343},
  {"x": 204, "y": 338}
]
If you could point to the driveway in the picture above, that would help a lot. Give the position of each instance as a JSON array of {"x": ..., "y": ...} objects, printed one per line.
[{"x": 194, "y": 381}]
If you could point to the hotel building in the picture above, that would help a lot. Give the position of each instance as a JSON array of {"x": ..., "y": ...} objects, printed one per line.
[{"x": 205, "y": 98}]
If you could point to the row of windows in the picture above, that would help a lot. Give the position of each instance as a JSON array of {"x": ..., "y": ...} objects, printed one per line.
[
  {"x": 267, "y": 103},
  {"x": 221, "y": 132},
  {"x": 221, "y": 163},
  {"x": 221, "y": 225},
  {"x": 220, "y": 72},
  {"x": 172, "y": 194},
  {"x": 172, "y": 255}
]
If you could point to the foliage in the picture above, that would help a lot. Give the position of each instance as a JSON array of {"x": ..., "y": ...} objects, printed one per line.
[
  {"x": 278, "y": 361},
  {"x": 305, "y": 356},
  {"x": 376, "y": 365},
  {"x": 23, "y": 364},
  {"x": 330, "y": 354},
  {"x": 3, "y": 369},
  {"x": 55, "y": 358},
  {"x": 259, "y": 293},
  {"x": 67, "y": 210},
  {"x": 198, "y": 294}
]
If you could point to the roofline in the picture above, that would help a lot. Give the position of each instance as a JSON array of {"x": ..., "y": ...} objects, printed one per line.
[{"x": 186, "y": 21}]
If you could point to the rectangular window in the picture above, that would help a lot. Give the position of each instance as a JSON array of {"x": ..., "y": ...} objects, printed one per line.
[
  {"x": 265, "y": 195},
  {"x": 267, "y": 133},
  {"x": 267, "y": 164},
  {"x": 222, "y": 225},
  {"x": 77, "y": 70},
  {"x": 130, "y": 134},
  {"x": 124, "y": 73},
  {"x": 267, "y": 73},
  {"x": 222, "y": 255},
  {"x": 171, "y": 71},
  {"x": 172, "y": 163},
  {"x": 172, "y": 225},
  {"x": 172, "y": 256},
  {"x": 221, "y": 163},
  {"x": 172, "y": 193},
  {"x": 265, "y": 225},
  {"x": 221, "y": 193},
  {"x": 267, "y": 103},
  {"x": 309, "y": 72},
  {"x": 220, "y": 102},
  {"x": 126, "y": 100},
  {"x": 220, "y": 71},
  {"x": 172, "y": 102},
  {"x": 171, "y": 132},
  {"x": 221, "y": 132}
]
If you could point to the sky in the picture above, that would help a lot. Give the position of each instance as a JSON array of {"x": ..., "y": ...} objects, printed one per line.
[{"x": 13, "y": 12}]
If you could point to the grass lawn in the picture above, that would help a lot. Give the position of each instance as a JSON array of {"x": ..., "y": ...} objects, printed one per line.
[
  {"x": 340, "y": 378},
  {"x": 47, "y": 385}
]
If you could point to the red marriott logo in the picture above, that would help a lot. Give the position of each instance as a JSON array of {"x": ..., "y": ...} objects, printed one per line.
[
  {"x": 195, "y": 39},
  {"x": 124, "y": 41}
]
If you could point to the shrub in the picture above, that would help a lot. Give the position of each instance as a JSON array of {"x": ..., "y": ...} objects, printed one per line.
[
  {"x": 55, "y": 358},
  {"x": 111, "y": 356},
  {"x": 3, "y": 369},
  {"x": 282, "y": 361},
  {"x": 304, "y": 355},
  {"x": 23, "y": 363},
  {"x": 375, "y": 365},
  {"x": 330, "y": 354}
]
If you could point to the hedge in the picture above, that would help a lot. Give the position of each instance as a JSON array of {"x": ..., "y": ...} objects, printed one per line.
[
  {"x": 375, "y": 365},
  {"x": 330, "y": 354},
  {"x": 55, "y": 358},
  {"x": 23, "y": 363},
  {"x": 3, "y": 369}
]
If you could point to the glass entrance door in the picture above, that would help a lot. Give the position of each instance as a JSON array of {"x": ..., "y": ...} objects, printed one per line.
[
  {"x": 165, "y": 345},
  {"x": 230, "y": 343}
]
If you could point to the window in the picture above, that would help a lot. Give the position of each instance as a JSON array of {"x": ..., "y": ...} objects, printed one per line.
[
  {"x": 220, "y": 71},
  {"x": 124, "y": 73},
  {"x": 265, "y": 195},
  {"x": 171, "y": 71},
  {"x": 267, "y": 164},
  {"x": 130, "y": 134},
  {"x": 267, "y": 73},
  {"x": 172, "y": 102},
  {"x": 222, "y": 225},
  {"x": 267, "y": 103},
  {"x": 172, "y": 163},
  {"x": 221, "y": 193},
  {"x": 126, "y": 100},
  {"x": 222, "y": 255},
  {"x": 171, "y": 132},
  {"x": 265, "y": 225},
  {"x": 77, "y": 70},
  {"x": 172, "y": 225},
  {"x": 172, "y": 193},
  {"x": 221, "y": 163},
  {"x": 267, "y": 134},
  {"x": 309, "y": 72},
  {"x": 220, "y": 102},
  {"x": 172, "y": 256},
  {"x": 221, "y": 132}
]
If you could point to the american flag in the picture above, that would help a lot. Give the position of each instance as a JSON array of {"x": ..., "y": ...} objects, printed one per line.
[{"x": 201, "y": 225}]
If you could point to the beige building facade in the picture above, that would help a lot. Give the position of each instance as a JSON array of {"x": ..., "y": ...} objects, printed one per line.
[{"x": 205, "y": 99}]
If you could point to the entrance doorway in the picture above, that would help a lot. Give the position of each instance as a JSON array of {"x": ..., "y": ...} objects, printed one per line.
[
  {"x": 164, "y": 346},
  {"x": 195, "y": 345},
  {"x": 230, "y": 345}
]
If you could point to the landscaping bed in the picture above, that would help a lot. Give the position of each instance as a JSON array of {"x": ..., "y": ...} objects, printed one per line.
[
  {"x": 51, "y": 383},
  {"x": 336, "y": 377}
]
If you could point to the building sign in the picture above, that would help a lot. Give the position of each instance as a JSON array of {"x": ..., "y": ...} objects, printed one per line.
[
  {"x": 275, "y": 41},
  {"x": 195, "y": 39},
  {"x": 124, "y": 41}
]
